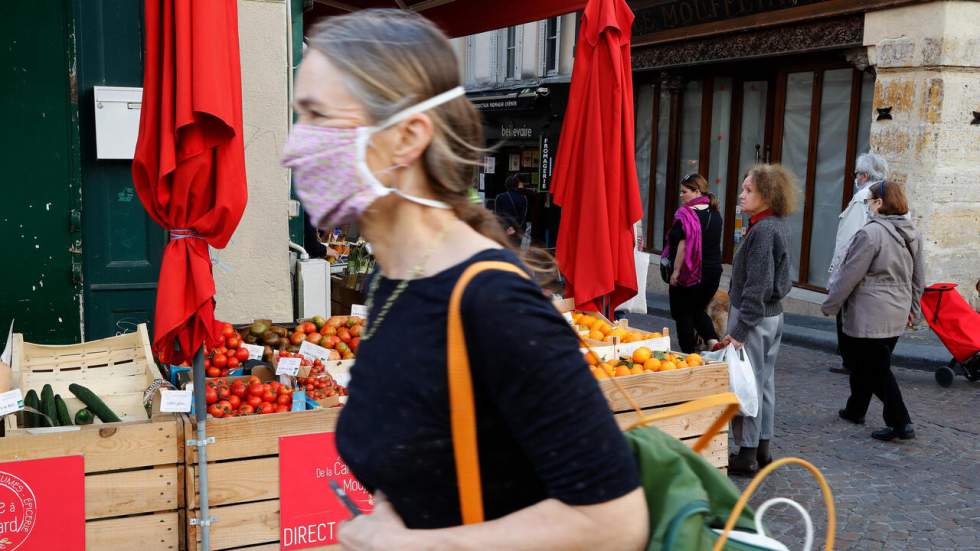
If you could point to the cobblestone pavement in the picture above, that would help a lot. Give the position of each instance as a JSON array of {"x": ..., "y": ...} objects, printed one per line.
[{"x": 909, "y": 495}]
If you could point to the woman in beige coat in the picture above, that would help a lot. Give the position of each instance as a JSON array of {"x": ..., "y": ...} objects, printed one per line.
[{"x": 877, "y": 288}]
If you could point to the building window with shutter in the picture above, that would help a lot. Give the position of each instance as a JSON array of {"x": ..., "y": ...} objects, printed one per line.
[
  {"x": 552, "y": 44},
  {"x": 510, "y": 72}
]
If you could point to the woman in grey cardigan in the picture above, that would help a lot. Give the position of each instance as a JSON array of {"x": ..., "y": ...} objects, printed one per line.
[
  {"x": 877, "y": 288},
  {"x": 760, "y": 280}
]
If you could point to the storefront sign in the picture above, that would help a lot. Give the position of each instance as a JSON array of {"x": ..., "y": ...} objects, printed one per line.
[
  {"x": 516, "y": 132},
  {"x": 42, "y": 504},
  {"x": 684, "y": 13},
  {"x": 546, "y": 158},
  {"x": 310, "y": 512}
]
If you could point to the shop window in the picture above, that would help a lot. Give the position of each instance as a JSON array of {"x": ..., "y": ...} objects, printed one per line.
[
  {"x": 690, "y": 152},
  {"x": 721, "y": 117},
  {"x": 828, "y": 186},
  {"x": 864, "y": 118},
  {"x": 644, "y": 99},
  {"x": 660, "y": 171},
  {"x": 752, "y": 145},
  {"x": 795, "y": 145},
  {"x": 510, "y": 54},
  {"x": 552, "y": 45}
]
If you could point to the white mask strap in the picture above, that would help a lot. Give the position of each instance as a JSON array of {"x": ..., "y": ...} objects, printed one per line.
[{"x": 422, "y": 107}]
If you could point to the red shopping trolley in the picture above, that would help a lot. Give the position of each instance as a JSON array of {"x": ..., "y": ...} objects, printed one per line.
[{"x": 958, "y": 326}]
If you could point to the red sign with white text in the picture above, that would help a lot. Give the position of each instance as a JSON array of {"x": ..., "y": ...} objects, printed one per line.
[
  {"x": 42, "y": 504},
  {"x": 310, "y": 512}
]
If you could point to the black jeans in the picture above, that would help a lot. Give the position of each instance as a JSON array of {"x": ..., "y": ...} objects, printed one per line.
[
  {"x": 871, "y": 374},
  {"x": 841, "y": 339},
  {"x": 687, "y": 307}
]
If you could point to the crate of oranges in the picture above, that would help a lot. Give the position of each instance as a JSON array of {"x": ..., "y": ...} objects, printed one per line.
[{"x": 653, "y": 380}]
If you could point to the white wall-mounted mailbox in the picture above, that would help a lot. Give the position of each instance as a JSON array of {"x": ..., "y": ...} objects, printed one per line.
[{"x": 117, "y": 121}]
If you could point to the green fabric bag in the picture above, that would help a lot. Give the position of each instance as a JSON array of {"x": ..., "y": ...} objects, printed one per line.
[{"x": 686, "y": 496}]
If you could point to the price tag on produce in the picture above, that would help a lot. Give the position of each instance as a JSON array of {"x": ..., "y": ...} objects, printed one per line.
[
  {"x": 288, "y": 366},
  {"x": 314, "y": 352},
  {"x": 359, "y": 311},
  {"x": 11, "y": 401},
  {"x": 176, "y": 401},
  {"x": 254, "y": 351}
]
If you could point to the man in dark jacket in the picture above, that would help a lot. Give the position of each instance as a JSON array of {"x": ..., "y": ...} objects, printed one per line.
[{"x": 511, "y": 208}]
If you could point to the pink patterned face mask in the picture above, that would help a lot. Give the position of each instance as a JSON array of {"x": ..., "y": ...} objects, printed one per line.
[{"x": 330, "y": 167}]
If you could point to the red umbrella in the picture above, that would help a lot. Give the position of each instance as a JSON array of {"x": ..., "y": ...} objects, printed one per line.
[
  {"x": 189, "y": 166},
  {"x": 595, "y": 170},
  {"x": 459, "y": 17}
]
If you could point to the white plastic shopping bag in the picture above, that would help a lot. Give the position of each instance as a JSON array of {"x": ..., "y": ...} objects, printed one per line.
[
  {"x": 742, "y": 380},
  {"x": 638, "y": 304}
]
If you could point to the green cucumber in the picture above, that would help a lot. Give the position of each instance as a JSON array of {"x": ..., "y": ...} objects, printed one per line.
[
  {"x": 64, "y": 419},
  {"x": 95, "y": 405},
  {"x": 48, "y": 408},
  {"x": 31, "y": 420},
  {"x": 84, "y": 417}
]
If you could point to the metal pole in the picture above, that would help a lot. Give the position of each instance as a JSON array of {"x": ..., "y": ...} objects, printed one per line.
[{"x": 201, "y": 413}]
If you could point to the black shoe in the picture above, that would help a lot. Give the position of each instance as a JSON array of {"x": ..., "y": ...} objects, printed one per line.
[
  {"x": 763, "y": 456},
  {"x": 743, "y": 463},
  {"x": 840, "y": 369},
  {"x": 842, "y": 413},
  {"x": 888, "y": 434}
]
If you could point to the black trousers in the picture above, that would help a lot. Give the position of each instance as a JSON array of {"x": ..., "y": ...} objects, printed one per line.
[
  {"x": 871, "y": 375},
  {"x": 687, "y": 307},
  {"x": 841, "y": 337}
]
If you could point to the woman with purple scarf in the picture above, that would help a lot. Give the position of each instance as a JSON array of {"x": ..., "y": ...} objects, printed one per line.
[{"x": 693, "y": 246}]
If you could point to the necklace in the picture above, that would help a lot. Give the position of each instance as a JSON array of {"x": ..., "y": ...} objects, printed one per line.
[{"x": 371, "y": 326}]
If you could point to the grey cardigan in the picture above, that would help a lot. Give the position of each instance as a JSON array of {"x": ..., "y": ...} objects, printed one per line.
[
  {"x": 881, "y": 280},
  {"x": 760, "y": 275}
]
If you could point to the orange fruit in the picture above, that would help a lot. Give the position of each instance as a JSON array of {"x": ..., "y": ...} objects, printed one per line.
[
  {"x": 600, "y": 374},
  {"x": 618, "y": 332},
  {"x": 596, "y": 335},
  {"x": 637, "y": 369},
  {"x": 667, "y": 365},
  {"x": 694, "y": 360},
  {"x": 615, "y": 363},
  {"x": 622, "y": 371},
  {"x": 607, "y": 368},
  {"x": 576, "y": 316},
  {"x": 602, "y": 327},
  {"x": 655, "y": 335},
  {"x": 587, "y": 321},
  {"x": 642, "y": 354},
  {"x": 653, "y": 364},
  {"x": 627, "y": 338},
  {"x": 592, "y": 358}
]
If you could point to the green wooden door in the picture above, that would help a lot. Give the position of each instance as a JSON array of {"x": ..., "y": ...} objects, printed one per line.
[
  {"x": 122, "y": 245},
  {"x": 38, "y": 152}
]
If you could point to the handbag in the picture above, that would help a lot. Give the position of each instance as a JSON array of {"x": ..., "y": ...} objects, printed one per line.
[{"x": 688, "y": 499}]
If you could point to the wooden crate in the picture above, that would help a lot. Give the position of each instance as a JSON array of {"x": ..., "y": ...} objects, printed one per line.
[
  {"x": 134, "y": 472},
  {"x": 243, "y": 476},
  {"x": 652, "y": 391}
]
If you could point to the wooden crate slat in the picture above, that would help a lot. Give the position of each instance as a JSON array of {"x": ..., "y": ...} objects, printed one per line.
[
  {"x": 107, "y": 447},
  {"x": 237, "y": 481},
  {"x": 717, "y": 451},
  {"x": 156, "y": 532},
  {"x": 258, "y": 435},
  {"x": 683, "y": 426},
  {"x": 111, "y": 380},
  {"x": 240, "y": 525},
  {"x": 668, "y": 387},
  {"x": 131, "y": 492}
]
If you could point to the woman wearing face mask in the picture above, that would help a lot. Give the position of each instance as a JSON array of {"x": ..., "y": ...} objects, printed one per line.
[
  {"x": 386, "y": 139},
  {"x": 877, "y": 291},
  {"x": 760, "y": 280},
  {"x": 694, "y": 249}
]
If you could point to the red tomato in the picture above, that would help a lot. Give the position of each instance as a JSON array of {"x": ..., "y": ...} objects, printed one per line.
[
  {"x": 221, "y": 351},
  {"x": 233, "y": 363},
  {"x": 230, "y": 353},
  {"x": 235, "y": 401},
  {"x": 225, "y": 406},
  {"x": 223, "y": 393},
  {"x": 354, "y": 343},
  {"x": 309, "y": 388},
  {"x": 241, "y": 354},
  {"x": 239, "y": 389},
  {"x": 266, "y": 407},
  {"x": 228, "y": 330},
  {"x": 297, "y": 338},
  {"x": 212, "y": 372},
  {"x": 256, "y": 389},
  {"x": 286, "y": 390},
  {"x": 355, "y": 331},
  {"x": 253, "y": 379},
  {"x": 307, "y": 327},
  {"x": 282, "y": 409},
  {"x": 269, "y": 396},
  {"x": 246, "y": 409},
  {"x": 233, "y": 342},
  {"x": 220, "y": 360},
  {"x": 274, "y": 386},
  {"x": 224, "y": 372},
  {"x": 210, "y": 395},
  {"x": 254, "y": 401},
  {"x": 216, "y": 411},
  {"x": 207, "y": 363},
  {"x": 284, "y": 399}
]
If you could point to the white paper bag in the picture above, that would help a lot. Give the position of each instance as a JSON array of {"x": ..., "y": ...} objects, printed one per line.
[{"x": 742, "y": 380}]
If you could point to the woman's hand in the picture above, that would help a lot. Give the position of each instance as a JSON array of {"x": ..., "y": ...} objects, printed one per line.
[
  {"x": 675, "y": 278},
  {"x": 728, "y": 340},
  {"x": 381, "y": 530},
  {"x": 910, "y": 323}
]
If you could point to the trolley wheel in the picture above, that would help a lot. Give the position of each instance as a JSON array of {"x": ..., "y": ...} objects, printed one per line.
[{"x": 944, "y": 376}]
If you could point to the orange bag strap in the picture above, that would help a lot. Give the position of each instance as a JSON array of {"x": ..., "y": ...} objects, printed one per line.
[{"x": 462, "y": 408}]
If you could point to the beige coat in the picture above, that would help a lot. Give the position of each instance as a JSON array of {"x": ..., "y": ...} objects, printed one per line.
[{"x": 880, "y": 281}]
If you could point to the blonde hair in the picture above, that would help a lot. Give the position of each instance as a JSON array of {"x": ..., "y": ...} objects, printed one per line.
[
  {"x": 394, "y": 59},
  {"x": 777, "y": 186}
]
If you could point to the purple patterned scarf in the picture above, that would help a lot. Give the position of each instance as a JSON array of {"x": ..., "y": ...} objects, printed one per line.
[{"x": 690, "y": 273}]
